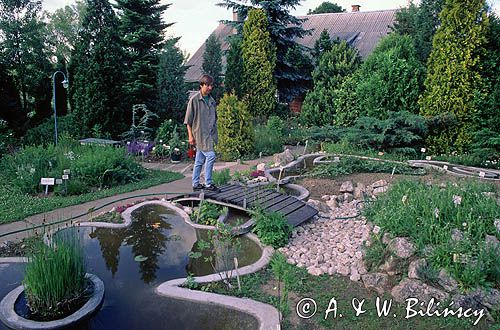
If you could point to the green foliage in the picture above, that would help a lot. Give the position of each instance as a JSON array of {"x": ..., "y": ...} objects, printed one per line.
[
  {"x": 348, "y": 165},
  {"x": 16, "y": 206},
  {"x": 428, "y": 213},
  {"x": 142, "y": 31},
  {"x": 453, "y": 82},
  {"x": 221, "y": 177},
  {"x": 44, "y": 133},
  {"x": 326, "y": 7},
  {"x": 275, "y": 123},
  {"x": 376, "y": 253},
  {"x": 267, "y": 140},
  {"x": 97, "y": 64},
  {"x": 233, "y": 81},
  {"x": 321, "y": 45},
  {"x": 284, "y": 277},
  {"x": 399, "y": 130},
  {"x": 284, "y": 28},
  {"x": 420, "y": 22},
  {"x": 23, "y": 54},
  {"x": 7, "y": 140},
  {"x": 271, "y": 228},
  {"x": 207, "y": 213},
  {"x": 62, "y": 29},
  {"x": 55, "y": 281},
  {"x": 390, "y": 80},
  {"x": 259, "y": 60},
  {"x": 176, "y": 144},
  {"x": 334, "y": 66},
  {"x": 143, "y": 130},
  {"x": 235, "y": 128},
  {"x": 172, "y": 88},
  {"x": 91, "y": 166},
  {"x": 212, "y": 64}
]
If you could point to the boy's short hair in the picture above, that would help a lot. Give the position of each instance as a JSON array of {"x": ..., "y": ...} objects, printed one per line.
[{"x": 206, "y": 80}]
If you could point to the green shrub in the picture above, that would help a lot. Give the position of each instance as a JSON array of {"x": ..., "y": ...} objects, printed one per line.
[
  {"x": 207, "y": 213},
  {"x": 267, "y": 141},
  {"x": 92, "y": 166},
  {"x": 221, "y": 177},
  {"x": 234, "y": 124},
  {"x": 55, "y": 281},
  {"x": 272, "y": 228},
  {"x": 275, "y": 123},
  {"x": 43, "y": 134}
]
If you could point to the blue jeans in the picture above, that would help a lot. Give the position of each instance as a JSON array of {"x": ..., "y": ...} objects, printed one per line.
[{"x": 207, "y": 158}]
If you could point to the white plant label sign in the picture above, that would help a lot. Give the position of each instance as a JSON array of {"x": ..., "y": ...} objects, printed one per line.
[{"x": 47, "y": 181}]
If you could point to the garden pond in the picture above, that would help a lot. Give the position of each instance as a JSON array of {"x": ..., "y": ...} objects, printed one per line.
[{"x": 133, "y": 261}]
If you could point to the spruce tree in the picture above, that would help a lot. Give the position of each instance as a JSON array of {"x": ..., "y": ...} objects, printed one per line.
[
  {"x": 453, "y": 79},
  {"x": 172, "y": 88},
  {"x": 259, "y": 58},
  {"x": 212, "y": 64},
  {"x": 233, "y": 81},
  {"x": 97, "y": 69},
  {"x": 323, "y": 44},
  {"x": 142, "y": 30},
  {"x": 284, "y": 29}
]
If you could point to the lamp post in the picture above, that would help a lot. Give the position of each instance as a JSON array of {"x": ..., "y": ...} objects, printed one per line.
[{"x": 65, "y": 84}]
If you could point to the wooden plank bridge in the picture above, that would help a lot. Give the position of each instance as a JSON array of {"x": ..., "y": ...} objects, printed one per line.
[{"x": 245, "y": 198}]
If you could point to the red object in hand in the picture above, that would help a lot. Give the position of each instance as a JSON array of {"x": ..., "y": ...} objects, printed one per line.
[{"x": 191, "y": 152}]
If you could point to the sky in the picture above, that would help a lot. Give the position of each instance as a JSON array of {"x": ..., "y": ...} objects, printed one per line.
[{"x": 196, "y": 19}]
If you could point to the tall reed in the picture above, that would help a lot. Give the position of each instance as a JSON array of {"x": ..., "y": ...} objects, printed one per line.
[{"x": 55, "y": 278}]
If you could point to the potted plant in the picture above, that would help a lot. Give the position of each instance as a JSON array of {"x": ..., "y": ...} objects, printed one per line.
[{"x": 176, "y": 146}]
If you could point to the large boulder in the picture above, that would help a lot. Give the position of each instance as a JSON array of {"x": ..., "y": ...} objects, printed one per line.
[
  {"x": 402, "y": 247},
  {"x": 284, "y": 158},
  {"x": 446, "y": 281},
  {"x": 347, "y": 187},
  {"x": 377, "y": 281},
  {"x": 410, "y": 288}
]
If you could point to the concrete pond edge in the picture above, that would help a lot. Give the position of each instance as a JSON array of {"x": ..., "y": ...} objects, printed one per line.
[{"x": 11, "y": 319}]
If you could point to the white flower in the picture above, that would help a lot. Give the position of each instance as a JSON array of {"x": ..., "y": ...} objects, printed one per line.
[
  {"x": 168, "y": 147},
  {"x": 404, "y": 199},
  {"x": 154, "y": 148},
  {"x": 161, "y": 141},
  {"x": 176, "y": 149},
  {"x": 436, "y": 213},
  {"x": 146, "y": 141},
  {"x": 142, "y": 151},
  {"x": 464, "y": 224},
  {"x": 164, "y": 145},
  {"x": 32, "y": 170},
  {"x": 128, "y": 143},
  {"x": 457, "y": 200},
  {"x": 380, "y": 153},
  {"x": 422, "y": 149}
]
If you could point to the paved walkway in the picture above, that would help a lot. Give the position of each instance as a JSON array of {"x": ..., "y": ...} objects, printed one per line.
[{"x": 181, "y": 186}]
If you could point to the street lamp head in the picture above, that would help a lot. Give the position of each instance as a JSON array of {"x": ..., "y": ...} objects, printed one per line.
[{"x": 65, "y": 83}]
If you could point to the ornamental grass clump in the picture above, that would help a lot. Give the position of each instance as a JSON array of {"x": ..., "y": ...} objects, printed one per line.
[{"x": 55, "y": 284}]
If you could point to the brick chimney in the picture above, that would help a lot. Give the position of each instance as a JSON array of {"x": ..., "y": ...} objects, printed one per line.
[
  {"x": 236, "y": 17},
  {"x": 355, "y": 8}
]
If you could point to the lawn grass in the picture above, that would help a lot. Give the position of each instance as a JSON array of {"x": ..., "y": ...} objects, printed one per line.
[
  {"x": 263, "y": 287},
  {"x": 15, "y": 206}
]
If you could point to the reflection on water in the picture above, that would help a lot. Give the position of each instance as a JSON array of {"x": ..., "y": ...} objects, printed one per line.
[{"x": 163, "y": 241}]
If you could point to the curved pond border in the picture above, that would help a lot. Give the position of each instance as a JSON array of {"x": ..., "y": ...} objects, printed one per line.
[
  {"x": 267, "y": 315},
  {"x": 11, "y": 319}
]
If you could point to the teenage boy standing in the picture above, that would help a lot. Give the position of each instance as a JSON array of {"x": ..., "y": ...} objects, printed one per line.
[{"x": 201, "y": 123}]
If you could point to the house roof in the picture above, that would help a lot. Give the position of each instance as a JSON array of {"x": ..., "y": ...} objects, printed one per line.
[{"x": 362, "y": 30}]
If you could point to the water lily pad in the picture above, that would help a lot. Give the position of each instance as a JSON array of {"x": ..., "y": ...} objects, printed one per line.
[{"x": 140, "y": 258}]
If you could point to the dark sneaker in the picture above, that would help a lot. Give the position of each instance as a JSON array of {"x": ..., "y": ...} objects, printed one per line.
[
  {"x": 212, "y": 188},
  {"x": 199, "y": 186}
]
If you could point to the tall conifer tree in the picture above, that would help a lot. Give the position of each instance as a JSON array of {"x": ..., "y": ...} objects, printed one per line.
[
  {"x": 453, "y": 79},
  {"x": 142, "y": 30},
  {"x": 97, "y": 70},
  {"x": 212, "y": 63},
  {"x": 284, "y": 29},
  {"x": 259, "y": 58}
]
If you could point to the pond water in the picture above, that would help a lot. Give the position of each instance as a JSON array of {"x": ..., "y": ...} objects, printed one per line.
[{"x": 162, "y": 240}]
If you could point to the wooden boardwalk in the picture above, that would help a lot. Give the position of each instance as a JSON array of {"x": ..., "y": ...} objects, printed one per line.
[{"x": 294, "y": 210}]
